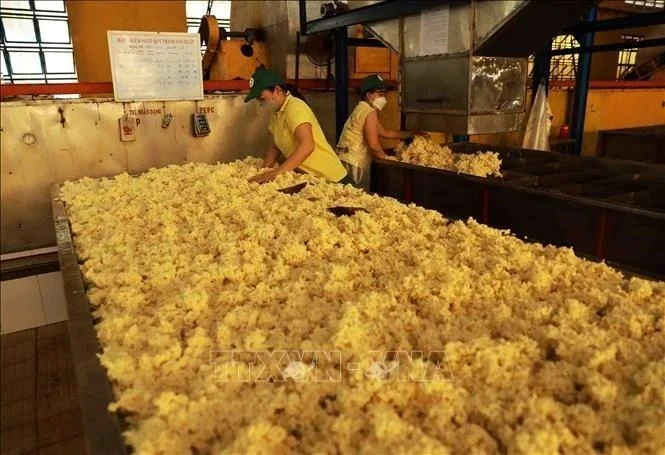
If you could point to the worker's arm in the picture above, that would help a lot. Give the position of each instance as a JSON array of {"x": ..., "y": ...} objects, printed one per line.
[
  {"x": 271, "y": 155},
  {"x": 393, "y": 134},
  {"x": 371, "y": 135},
  {"x": 305, "y": 147}
]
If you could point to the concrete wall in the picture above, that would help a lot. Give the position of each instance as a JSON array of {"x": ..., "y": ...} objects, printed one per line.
[{"x": 89, "y": 21}]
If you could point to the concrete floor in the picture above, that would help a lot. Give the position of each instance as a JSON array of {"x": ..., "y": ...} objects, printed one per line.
[{"x": 40, "y": 409}]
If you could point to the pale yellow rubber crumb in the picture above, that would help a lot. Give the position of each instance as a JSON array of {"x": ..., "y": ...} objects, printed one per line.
[{"x": 550, "y": 353}]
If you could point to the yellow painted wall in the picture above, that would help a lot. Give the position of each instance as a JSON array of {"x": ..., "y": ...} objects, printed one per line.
[
  {"x": 89, "y": 21},
  {"x": 609, "y": 109}
]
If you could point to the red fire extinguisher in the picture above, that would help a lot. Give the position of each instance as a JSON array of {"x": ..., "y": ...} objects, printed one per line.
[{"x": 564, "y": 131}]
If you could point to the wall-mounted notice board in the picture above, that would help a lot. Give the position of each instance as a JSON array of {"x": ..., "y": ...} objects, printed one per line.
[{"x": 154, "y": 66}]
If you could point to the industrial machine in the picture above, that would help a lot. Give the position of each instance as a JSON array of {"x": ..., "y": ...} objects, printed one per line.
[
  {"x": 231, "y": 55},
  {"x": 471, "y": 77}
]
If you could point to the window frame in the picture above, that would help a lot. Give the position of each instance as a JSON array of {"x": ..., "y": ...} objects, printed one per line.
[
  {"x": 627, "y": 55},
  {"x": 39, "y": 46}
]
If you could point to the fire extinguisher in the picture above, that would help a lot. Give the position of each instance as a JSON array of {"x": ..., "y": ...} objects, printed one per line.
[{"x": 564, "y": 131}]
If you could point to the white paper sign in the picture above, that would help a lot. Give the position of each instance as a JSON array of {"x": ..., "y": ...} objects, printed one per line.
[
  {"x": 153, "y": 66},
  {"x": 434, "y": 31}
]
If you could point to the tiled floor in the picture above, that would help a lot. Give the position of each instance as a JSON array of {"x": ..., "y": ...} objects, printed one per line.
[
  {"x": 40, "y": 409},
  {"x": 31, "y": 302}
]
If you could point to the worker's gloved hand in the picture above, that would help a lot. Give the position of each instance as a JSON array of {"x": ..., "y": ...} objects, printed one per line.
[{"x": 265, "y": 177}]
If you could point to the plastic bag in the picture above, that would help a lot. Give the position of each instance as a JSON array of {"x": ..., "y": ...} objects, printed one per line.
[{"x": 537, "y": 132}]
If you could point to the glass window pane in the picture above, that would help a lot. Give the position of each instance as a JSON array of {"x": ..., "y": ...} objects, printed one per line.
[
  {"x": 196, "y": 8},
  {"x": 221, "y": 9},
  {"x": 3, "y": 69},
  {"x": 59, "y": 62},
  {"x": 54, "y": 31},
  {"x": 18, "y": 4},
  {"x": 49, "y": 5},
  {"x": 19, "y": 29},
  {"x": 25, "y": 62}
]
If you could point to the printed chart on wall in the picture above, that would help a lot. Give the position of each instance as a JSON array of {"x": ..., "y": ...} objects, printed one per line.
[
  {"x": 434, "y": 26},
  {"x": 153, "y": 66}
]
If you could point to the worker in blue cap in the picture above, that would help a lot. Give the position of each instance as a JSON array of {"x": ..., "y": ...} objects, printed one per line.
[
  {"x": 359, "y": 142},
  {"x": 296, "y": 133}
]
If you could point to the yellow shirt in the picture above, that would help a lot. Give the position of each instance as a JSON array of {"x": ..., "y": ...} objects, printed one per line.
[
  {"x": 323, "y": 161},
  {"x": 353, "y": 137}
]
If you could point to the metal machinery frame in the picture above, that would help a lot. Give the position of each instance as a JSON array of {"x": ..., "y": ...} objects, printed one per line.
[
  {"x": 389, "y": 9},
  {"x": 385, "y": 10},
  {"x": 584, "y": 31}
]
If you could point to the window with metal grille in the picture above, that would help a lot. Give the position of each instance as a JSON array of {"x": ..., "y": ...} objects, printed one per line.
[
  {"x": 647, "y": 3},
  {"x": 562, "y": 67},
  {"x": 195, "y": 9},
  {"x": 36, "y": 44},
  {"x": 627, "y": 56}
]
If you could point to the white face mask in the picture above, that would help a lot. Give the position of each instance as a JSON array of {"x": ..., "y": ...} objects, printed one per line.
[
  {"x": 270, "y": 104},
  {"x": 379, "y": 103}
]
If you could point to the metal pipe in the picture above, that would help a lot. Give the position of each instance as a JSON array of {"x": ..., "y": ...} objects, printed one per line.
[
  {"x": 610, "y": 47},
  {"x": 636, "y": 20},
  {"x": 582, "y": 87},
  {"x": 364, "y": 42},
  {"x": 380, "y": 11},
  {"x": 341, "y": 80},
  {"x": 297, "y": 59},
  {"x": 92, "y": 88}
]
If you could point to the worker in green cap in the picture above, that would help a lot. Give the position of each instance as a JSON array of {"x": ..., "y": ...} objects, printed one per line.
[
  {"x": 296, "y": 133},
  {"x": 359, "y": 142}
]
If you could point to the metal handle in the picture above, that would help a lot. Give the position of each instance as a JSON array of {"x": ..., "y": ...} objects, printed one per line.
[{"x": 441, "y": 100}]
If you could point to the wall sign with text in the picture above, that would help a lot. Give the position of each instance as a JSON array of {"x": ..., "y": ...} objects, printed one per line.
[{"x": 155, "y": 66}]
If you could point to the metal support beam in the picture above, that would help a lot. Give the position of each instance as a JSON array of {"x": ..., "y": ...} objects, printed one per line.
[
  {"x": 364, "y": 42},
  {"x": 636, "y": 20},
  {"x": 341, "y": 79},
  {"x": 582, "y": 86},
  {"x": 302, "y": 10},
  {"x": 610, "y": 47},
  {"x": 388, "y": 9}
]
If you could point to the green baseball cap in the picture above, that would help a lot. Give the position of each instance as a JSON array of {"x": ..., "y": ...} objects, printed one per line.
[
  {"x": 262, "y": 79},
  {"x": 373, "y": 82}
]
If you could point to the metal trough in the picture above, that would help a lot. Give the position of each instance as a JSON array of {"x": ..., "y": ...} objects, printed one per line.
[{"x": 604, "y": 209}]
